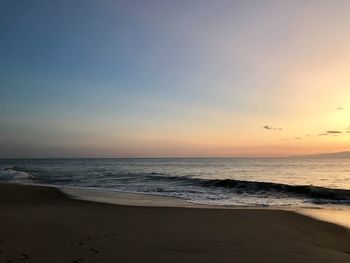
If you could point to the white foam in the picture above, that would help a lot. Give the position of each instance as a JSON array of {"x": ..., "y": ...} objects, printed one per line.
[{"x": 12, "y": 175}]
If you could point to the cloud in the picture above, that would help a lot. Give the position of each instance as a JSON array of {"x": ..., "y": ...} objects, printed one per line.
[
  {"x": 298, "y": 138},
  {"x": 333, "y": 132},
  {"x": 340, "y": 108},
  {"x": 323, "y": 134},
  {"x": 267, "y": 127}
]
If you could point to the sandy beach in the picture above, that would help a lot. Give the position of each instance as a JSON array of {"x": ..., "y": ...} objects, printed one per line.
[{"x": 41, "y": 224}]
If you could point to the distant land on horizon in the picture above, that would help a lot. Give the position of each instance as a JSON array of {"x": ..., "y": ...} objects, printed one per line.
[{"x": 345, "y": 154}]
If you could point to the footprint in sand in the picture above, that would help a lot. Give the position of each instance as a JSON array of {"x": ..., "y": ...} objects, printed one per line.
[
  {"x": 24, "y": 256},
  {"x": 83, "y": 240}
]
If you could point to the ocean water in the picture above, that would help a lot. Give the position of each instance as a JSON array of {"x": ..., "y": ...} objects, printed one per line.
[{"x": 222, "y": 181}]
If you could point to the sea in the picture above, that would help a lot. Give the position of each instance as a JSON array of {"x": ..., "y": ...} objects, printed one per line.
[{"x": 262, "y": 182}]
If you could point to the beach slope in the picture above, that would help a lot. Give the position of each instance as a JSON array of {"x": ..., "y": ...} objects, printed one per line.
[{"x": 40, "y": 224}]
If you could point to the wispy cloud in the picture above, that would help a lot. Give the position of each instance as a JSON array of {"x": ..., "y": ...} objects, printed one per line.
[
  {"x": 268, "y": 127},
  {"x": 285, "y": 140},
  {"x": 340, "y": 108},
  {"x": 333, "y": 132}
]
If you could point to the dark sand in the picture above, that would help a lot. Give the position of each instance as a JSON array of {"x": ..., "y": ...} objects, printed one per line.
[{"x": 40, "y": 224}]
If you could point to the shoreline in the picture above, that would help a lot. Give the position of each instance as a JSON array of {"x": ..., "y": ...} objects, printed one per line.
[
  {"x": 339, "y": 215},
  {"x": 41, "y": 224}
]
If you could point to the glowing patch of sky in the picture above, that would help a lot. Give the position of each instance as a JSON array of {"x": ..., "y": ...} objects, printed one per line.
[{"x": 173, "y": 78}]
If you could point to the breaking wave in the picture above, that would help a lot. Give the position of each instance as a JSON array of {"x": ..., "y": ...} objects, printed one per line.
[
  {"x": 163, "y": 184},
  {"x": 12, "y": 175}
]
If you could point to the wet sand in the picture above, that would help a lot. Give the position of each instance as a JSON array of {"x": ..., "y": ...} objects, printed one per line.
[{"x": 41, "y": 224}]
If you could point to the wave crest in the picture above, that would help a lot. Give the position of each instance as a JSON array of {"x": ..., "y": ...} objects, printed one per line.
[
  {"x": 302, "y": 190},
  {"x": 12, "y": 175},
  {"x": 318, "y": 193}
]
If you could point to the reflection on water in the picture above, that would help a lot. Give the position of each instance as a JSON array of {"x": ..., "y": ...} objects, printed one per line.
[{"x": 337, "y": 216}]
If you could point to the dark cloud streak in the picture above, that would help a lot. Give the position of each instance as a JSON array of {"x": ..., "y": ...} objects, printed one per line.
[
  {"x": 333, "y": 132},
  {"x": 268, "y": 127}
]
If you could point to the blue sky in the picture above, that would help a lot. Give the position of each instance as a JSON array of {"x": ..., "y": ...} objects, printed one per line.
[{"x": 167, "y": 78}]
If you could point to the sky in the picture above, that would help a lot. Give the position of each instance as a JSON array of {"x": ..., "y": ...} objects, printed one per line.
[{"x": 187, "y": 78}]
